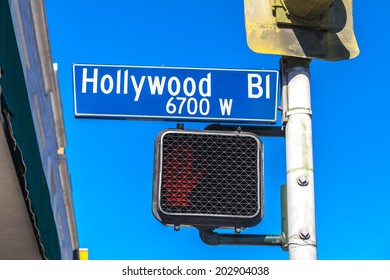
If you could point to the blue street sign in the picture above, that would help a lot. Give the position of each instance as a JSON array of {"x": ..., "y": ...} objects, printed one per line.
[{"x": 168, "y": 93}]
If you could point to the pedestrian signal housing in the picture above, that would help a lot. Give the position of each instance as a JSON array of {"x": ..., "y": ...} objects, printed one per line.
[{"x": 208, "y": 179}]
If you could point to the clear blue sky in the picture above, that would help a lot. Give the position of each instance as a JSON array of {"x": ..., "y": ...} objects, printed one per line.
[{"x": 111, "y": 161}]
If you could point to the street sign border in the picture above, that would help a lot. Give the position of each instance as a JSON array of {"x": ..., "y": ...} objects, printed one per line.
[{"x": 174, "y": 118}]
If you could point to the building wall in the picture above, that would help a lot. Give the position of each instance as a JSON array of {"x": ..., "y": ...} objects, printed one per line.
[{"x": 38, "y": 125}]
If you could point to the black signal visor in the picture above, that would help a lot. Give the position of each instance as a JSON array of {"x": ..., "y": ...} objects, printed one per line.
[{"x": 208, "y": 178}]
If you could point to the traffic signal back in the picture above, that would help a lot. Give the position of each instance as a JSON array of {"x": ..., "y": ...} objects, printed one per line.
[{"x": 286, "y": 27}]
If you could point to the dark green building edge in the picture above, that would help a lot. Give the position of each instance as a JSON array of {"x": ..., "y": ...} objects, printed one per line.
[{"x": 25, "y": 152}]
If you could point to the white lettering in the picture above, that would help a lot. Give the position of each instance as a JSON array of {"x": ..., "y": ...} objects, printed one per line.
[
  {"x": 189, "y": 106},
  {"x": 170, "y": 89},
  {"x": 252, "y": 84},
  {"x": 122, "y": 82},
  {"x": 226, "y": 106},
  {"x": 206, "y": 80},
  {"x": 156, "y": 84},
  {"x": 267, "y": 87},
  {"x": 110, "y": 84},
  {"x": 137, "y": 87},
  {"x": 183, "y": 100},
  {"x": 118, "y": 81},
  {"x": 126, "y": 82},
  {"x": 89, "y": 80},
  {"x": 202, "y": 110},
  {"x": 193, "y": 87},
  {"x": 170, "y": 107},
  {"x": 194, "y": 107}
]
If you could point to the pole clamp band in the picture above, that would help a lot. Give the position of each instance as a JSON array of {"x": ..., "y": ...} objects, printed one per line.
[{"x": 305, "y": 111}]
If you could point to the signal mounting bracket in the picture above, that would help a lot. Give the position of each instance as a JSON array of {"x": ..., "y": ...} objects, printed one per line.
[{"x": 208, "y": 236}]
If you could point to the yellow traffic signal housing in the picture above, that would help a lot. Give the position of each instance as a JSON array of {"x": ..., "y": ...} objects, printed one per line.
[{"x": 319, "y": 29}]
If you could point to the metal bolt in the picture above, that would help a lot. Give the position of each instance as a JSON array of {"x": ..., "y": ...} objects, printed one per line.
[
  {"x": 304, "y": 234},
  {"x": 302, "y": 181}
]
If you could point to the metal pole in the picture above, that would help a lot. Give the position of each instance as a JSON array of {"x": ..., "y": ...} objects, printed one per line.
[{"x": 299, "y": 159}]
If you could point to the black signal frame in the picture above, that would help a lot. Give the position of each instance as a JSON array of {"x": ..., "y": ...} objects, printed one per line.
[{"x": 181, "y": 203}]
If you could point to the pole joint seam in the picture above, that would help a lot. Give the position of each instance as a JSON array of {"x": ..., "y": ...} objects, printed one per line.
[{"x": 295, "y": 111}]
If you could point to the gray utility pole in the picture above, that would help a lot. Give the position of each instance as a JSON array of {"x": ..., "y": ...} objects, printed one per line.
[
  {"x": 299, "y": 159},
  {"x": 300, "y": 30}
]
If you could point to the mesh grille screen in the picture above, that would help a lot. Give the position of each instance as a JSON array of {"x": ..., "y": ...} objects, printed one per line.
[{"x": 210, "y": 174}]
